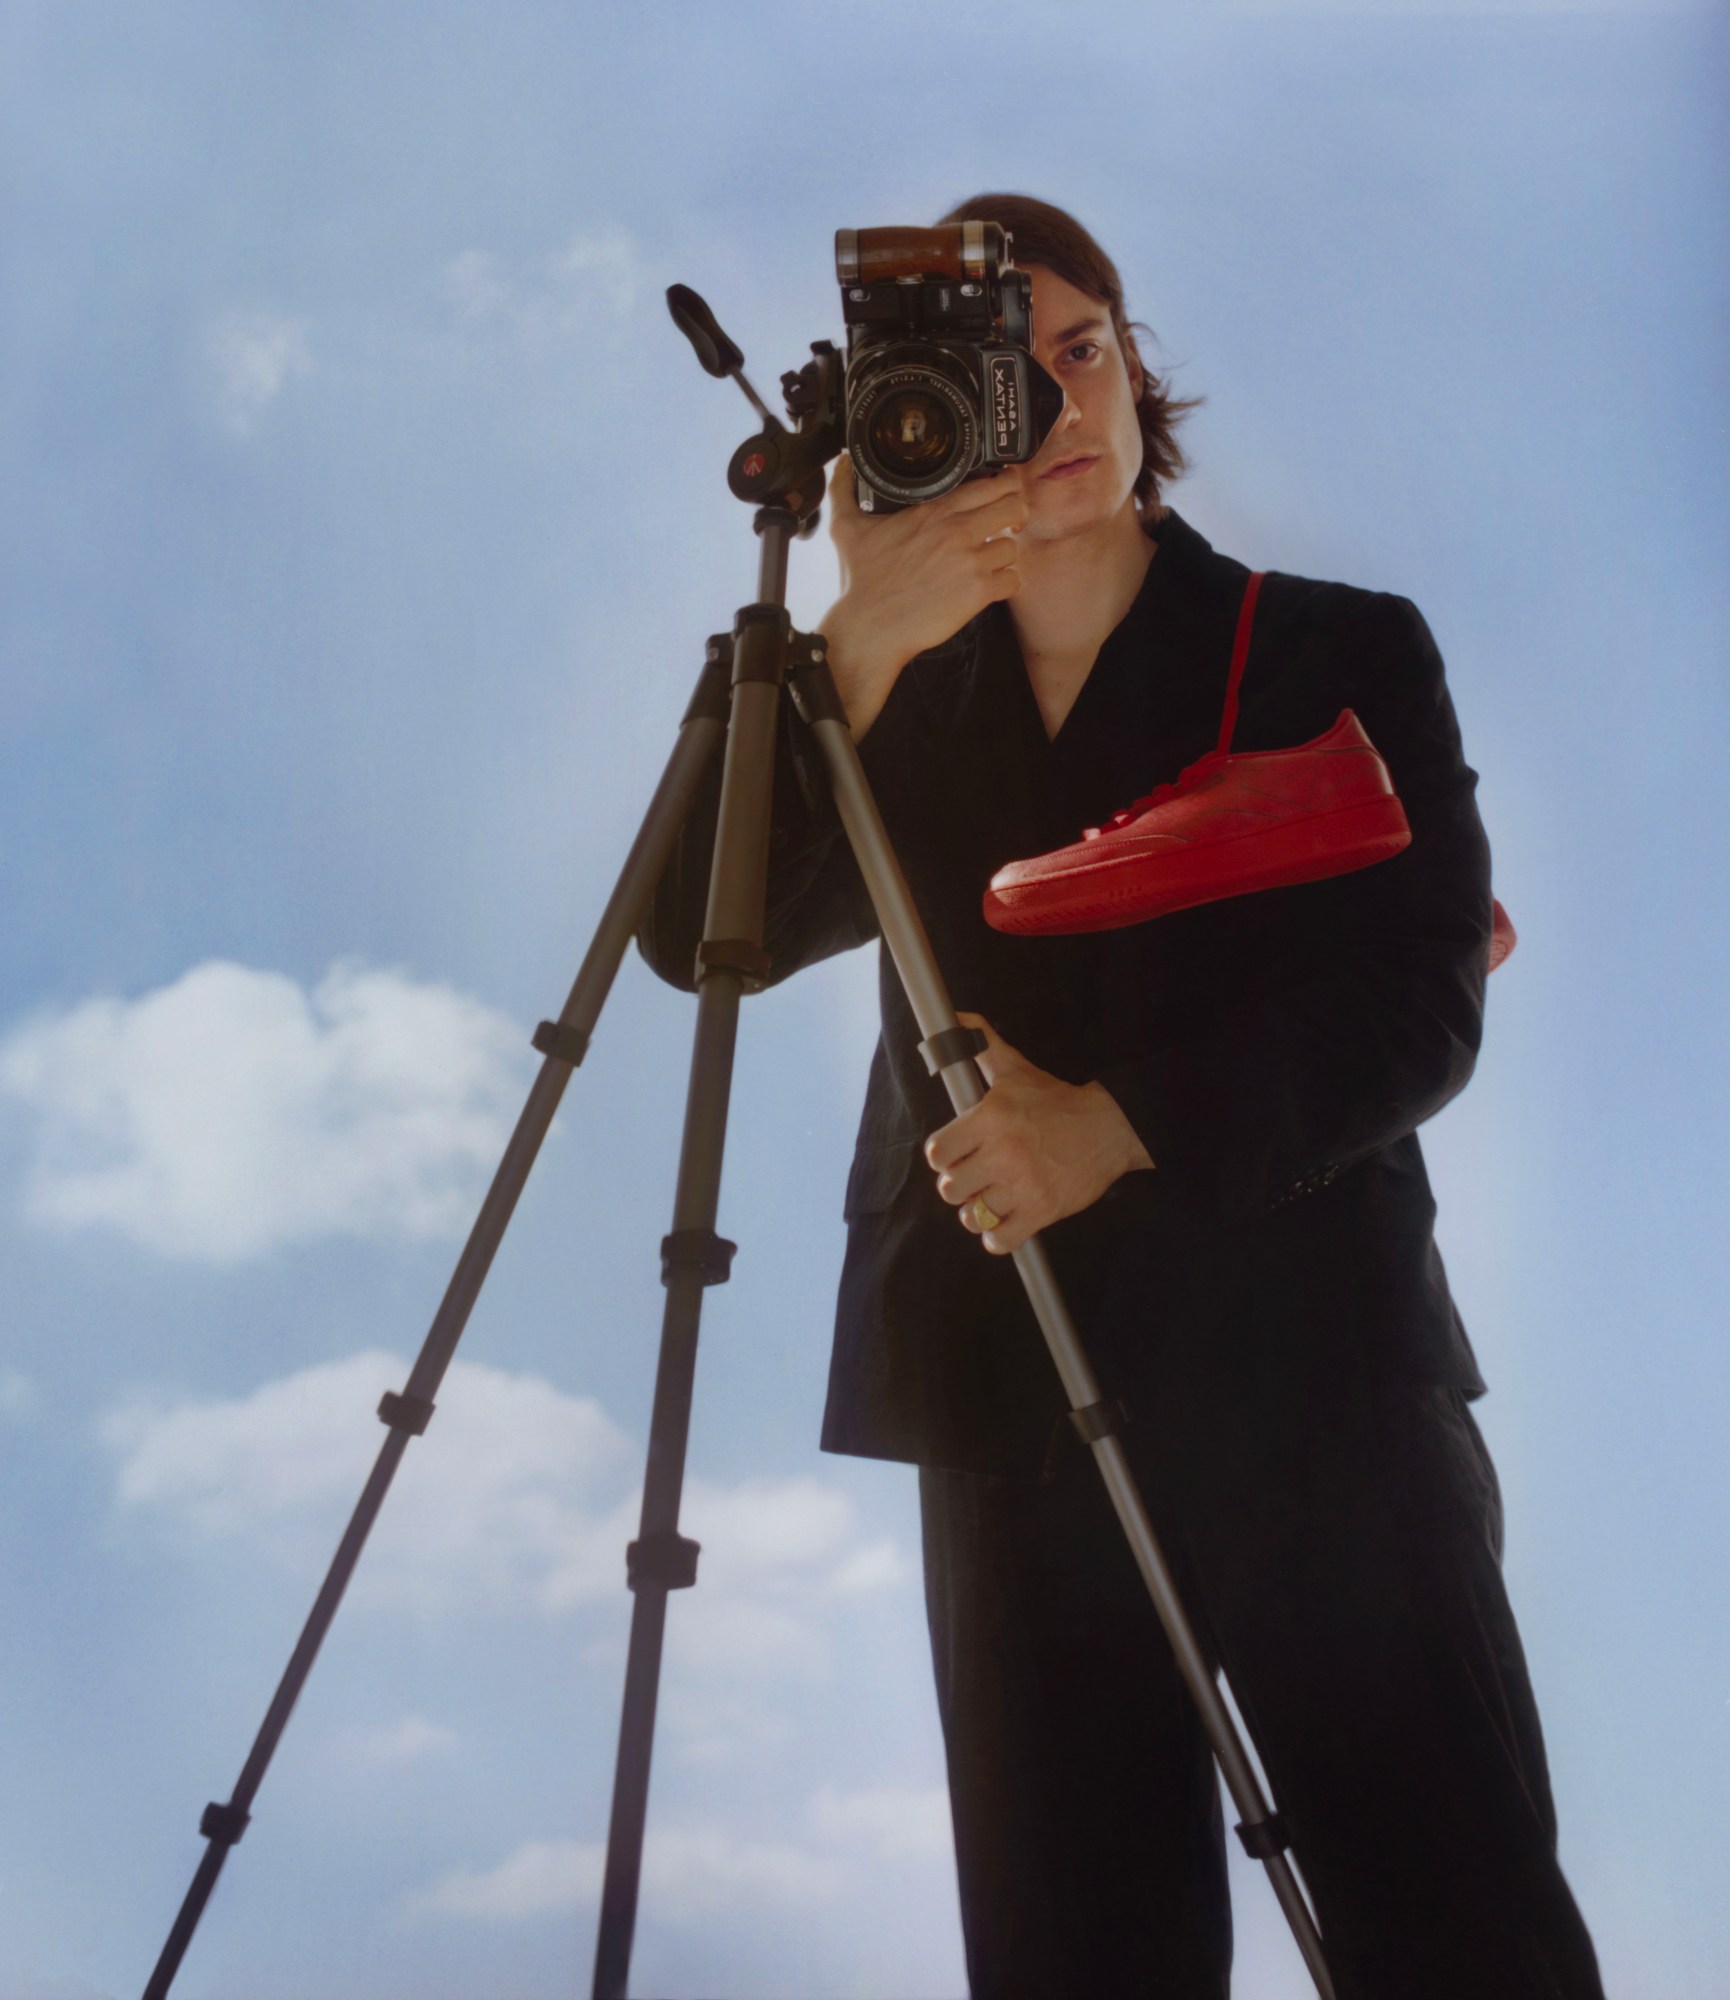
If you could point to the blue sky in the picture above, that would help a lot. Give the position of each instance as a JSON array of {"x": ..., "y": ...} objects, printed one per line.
[{"x": 364, "y": 516}]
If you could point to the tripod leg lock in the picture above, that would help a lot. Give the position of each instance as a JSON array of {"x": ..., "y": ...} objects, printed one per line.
[
  {"x": 553, "y": 1038},
  {"x": 1099, "y": 1420},
  {"x": 224, "y": 1824},
  {"x": 815, "y": 694},
  {"x": 713, "y": 700},
  {"x": 1265, "y": 1839},
  {"x": 952, "y": 1046},
  {"x": 405, "y": 1413},
  {"x": 666, "y": 1562},
  {"x": 699, "y": 1250}
]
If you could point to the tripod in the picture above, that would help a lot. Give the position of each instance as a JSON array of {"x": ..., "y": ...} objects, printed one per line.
[{"x": 736, "y": 703}]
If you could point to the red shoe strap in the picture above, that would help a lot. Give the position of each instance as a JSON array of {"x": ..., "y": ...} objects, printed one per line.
[
  {"x": 1228, "y": 721},
  {"x": 1239, "y": 654}
]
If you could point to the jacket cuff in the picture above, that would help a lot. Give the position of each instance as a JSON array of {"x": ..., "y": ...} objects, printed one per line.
[{"x": 1136, "y": 1089}]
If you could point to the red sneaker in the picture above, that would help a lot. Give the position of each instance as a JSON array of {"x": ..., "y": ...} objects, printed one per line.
[{"x": 1259, "y": 819}]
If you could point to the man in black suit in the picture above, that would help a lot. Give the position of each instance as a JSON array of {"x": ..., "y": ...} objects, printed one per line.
[{"x": 1212, "y": 1119}]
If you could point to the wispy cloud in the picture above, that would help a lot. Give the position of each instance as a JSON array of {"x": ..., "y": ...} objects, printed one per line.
[
  {"x": 591, "y": 282},
  {"x": 233, "y": 1112},
  {"x": 540, "y": 1878},
  {"x": 688, "y": 1873},
  {"x": 255, "y": 356},
  {"x": 521, "y": 1498},
  {"x": 873, "y": 1567},
  {"x": 703, "y": 1720},
  {"x": 694, "y": 1871}
]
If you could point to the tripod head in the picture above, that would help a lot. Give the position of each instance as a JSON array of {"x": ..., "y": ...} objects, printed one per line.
[{"x": 777, "y": 467}]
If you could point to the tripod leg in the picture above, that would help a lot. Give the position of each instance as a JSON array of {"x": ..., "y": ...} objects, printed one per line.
[
  {"x": 949, "y": 1050},
  {"x": 563, "y": 1044},
  {"x": 730, "y": 962},
  {"x": 661, "y": 1559}
]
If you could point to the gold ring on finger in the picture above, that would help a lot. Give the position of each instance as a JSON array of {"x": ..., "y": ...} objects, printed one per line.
[{"x": 984, "y": 1215}]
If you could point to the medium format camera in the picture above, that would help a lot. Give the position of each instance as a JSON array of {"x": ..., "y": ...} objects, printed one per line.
[{"x": 941, "y": 382}]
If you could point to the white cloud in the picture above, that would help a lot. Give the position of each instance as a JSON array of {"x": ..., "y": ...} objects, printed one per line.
[
  {"x": 593, "y": 282},
  {"x": 715, "y": 1631},
  {"x": 602, "y": 265},
  {"x": 877, "y": 1566},
  {"x": 514, "y": 1498},
  {"x": 539, "y": 1878},
  {"x": 774, "y": 1551},
  {"x": 520, "y": 1497},
  {"x": 404, "y": 1742},
  {"x": 233, "y": 1112},
  {"x": 890, "y": 1822},
  {"x": 255, "y": 356},
  {"x": 687, "y": 1873},
  {"x": 708, "y": 1722},
  {"x": 780, "y": 1532}
]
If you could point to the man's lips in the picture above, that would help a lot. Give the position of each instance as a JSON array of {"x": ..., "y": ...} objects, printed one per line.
[{"x": 1068, "y": 467}]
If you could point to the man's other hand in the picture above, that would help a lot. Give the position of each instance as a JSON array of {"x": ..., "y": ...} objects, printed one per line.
[
  {"x": 913, "y": 579},
  {"x": 1035, "y": 1148}
]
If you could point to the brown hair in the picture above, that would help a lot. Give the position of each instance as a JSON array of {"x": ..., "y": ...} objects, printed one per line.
[{"x": 1051, "y": 237}]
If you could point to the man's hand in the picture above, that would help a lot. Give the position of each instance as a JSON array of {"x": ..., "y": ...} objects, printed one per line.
[
  {"x": 913, "y": 579},
  {"x": 1036, "y": 1148}
]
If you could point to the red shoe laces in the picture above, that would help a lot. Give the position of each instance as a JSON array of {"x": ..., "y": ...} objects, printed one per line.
[
  {"x": 1191, "y": 774},
  {"x": 1183, "y": 782}
]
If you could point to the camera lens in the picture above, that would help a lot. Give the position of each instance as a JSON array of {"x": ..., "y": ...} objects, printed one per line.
[
  {"x": 912, "y": 433},
  {"x": 913, "y": 425}
]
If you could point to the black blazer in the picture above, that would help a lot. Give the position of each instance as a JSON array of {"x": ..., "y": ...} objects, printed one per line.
[{"x": 1275, "y": 1052}]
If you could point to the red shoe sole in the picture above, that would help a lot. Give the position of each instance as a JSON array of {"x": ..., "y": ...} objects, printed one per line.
[{"x": 1106, "y": 894}]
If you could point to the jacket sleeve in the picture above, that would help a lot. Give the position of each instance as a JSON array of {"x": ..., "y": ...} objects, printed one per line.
[
  {"x": 1366, "y": 1017},
  {"x": 816, "y": 903}
]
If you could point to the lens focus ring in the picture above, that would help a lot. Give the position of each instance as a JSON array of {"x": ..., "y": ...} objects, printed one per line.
[{"x": 912, "y": 430}]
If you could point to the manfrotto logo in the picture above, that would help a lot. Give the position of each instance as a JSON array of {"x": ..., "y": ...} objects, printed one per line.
[{"x": 1005, "y": 405}]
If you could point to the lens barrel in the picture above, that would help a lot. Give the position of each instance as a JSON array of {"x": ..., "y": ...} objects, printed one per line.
[{"x": 913, "y": 423}]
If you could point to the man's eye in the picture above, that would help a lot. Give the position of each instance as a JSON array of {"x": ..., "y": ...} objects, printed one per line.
[{"x": 1085, "y": 349}]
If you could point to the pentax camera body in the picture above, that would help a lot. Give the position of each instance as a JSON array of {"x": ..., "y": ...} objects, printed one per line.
[{"x": 941, "y": 382}]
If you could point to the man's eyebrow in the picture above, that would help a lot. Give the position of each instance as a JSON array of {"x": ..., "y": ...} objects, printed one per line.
[{"x": 1080, "y": 327}]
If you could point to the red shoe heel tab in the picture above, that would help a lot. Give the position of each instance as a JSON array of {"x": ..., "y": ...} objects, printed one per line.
[{"x": 1345, "y": 732}]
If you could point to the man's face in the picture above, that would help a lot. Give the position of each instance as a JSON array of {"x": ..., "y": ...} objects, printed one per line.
[{"x": 1084, "y": 475}]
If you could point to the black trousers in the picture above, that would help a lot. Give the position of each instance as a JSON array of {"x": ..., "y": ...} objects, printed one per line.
[{"x": 1340, "y": 1555}]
